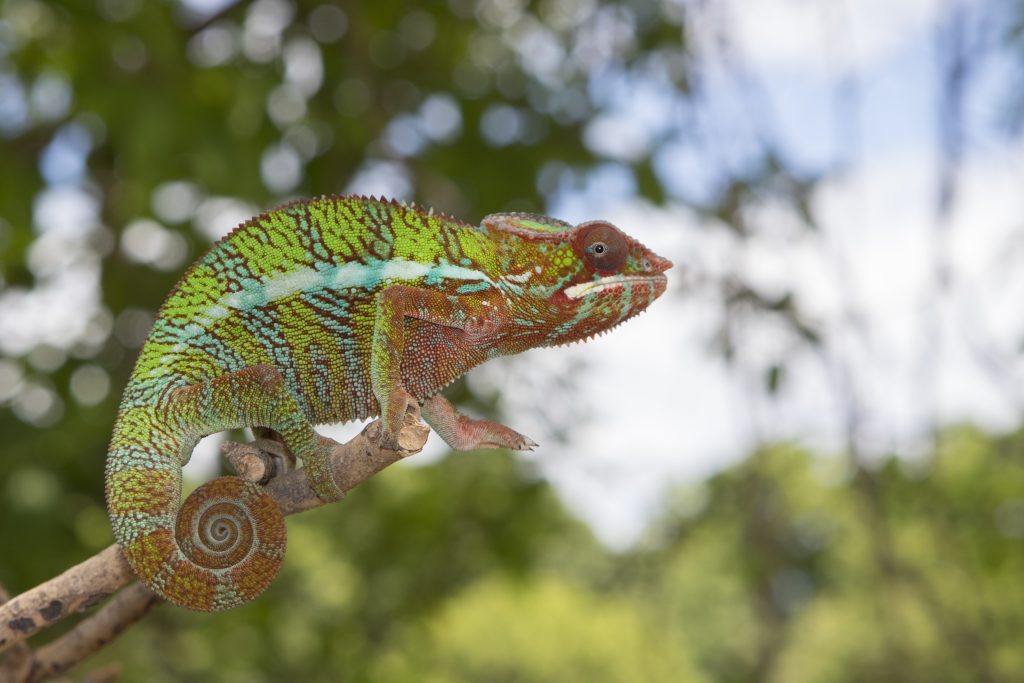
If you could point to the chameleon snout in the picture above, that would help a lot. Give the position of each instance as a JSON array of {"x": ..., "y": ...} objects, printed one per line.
[{"x": 659, "y": 264}]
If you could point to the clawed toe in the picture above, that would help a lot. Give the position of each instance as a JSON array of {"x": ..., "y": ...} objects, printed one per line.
[{"x": 528, "y": 444}]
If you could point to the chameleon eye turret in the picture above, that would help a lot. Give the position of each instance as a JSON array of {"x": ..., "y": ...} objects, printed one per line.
[
  {"x": 602, "y": 244},
  {"x": 330, "y": 310}
]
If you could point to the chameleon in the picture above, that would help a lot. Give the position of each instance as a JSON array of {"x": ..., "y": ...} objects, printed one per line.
[{"x": 334, "y": 309}]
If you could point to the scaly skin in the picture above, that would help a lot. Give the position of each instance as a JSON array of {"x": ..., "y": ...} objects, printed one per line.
[{"x": 336, "y": 309}]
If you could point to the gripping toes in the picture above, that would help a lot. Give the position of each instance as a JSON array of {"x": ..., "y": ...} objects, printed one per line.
[
  {"x": 465, "y": 433},
  {"x": 490, "y": 434}
]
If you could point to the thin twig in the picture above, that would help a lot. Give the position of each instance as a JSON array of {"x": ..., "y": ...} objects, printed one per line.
[
  {"x": 93, "y": 633},
  {"x": 18, "y": 660},
  {"x": 104, "y": 674},
  {"x": 81, "y": 587}
]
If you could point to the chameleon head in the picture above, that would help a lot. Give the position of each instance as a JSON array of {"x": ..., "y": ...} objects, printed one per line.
[{"x": 579, "y": 280}]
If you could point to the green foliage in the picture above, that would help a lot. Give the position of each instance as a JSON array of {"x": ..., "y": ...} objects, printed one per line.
[{"x": 546, "y": 630}]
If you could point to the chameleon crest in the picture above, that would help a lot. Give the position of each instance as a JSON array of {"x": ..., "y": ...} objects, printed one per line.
[{"x": 329, "y": 310}]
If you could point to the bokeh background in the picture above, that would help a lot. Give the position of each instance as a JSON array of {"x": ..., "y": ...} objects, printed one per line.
[{"x": 804, "y": 463}]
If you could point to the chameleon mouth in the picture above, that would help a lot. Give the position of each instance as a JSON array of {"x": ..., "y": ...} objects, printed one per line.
[{"x": 615, "y": 282}]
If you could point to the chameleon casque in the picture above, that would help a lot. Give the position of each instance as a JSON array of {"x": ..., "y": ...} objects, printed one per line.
[{"x": 329, "y": 310}]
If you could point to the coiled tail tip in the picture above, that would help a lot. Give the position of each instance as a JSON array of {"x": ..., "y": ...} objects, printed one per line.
[{"x": 226, "y": 545}]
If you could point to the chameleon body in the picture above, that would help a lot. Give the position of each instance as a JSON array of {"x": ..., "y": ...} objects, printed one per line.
[{"x": 328, "y": 310}]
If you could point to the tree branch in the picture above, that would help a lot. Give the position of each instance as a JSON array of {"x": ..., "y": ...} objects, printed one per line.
[
  {"x": 79, "y": 588},
  {"x": 92, "y": 633},
  {"x": 85, "y": 585},
  {"x": 17, "y": 663}
]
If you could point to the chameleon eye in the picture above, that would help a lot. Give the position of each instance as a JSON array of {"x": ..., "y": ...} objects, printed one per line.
[{"x": 602, "y": 245}]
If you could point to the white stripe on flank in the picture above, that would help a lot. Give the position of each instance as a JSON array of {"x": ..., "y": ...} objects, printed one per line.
[
  {"x": 400, "y": 270},
  {"x": 345, "y": 276},
  {"x": 216, "y": 311},
  {"x": 450, "y": 272},
  {"x": 518, "y": 278},
  {"x": 293, "y": 281}
]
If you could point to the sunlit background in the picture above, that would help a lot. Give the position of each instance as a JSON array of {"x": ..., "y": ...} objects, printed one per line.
[{"x": 801, "y": 464}]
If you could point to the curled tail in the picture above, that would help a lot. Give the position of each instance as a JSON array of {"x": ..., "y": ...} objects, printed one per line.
[{"x": 219, "y": 549}]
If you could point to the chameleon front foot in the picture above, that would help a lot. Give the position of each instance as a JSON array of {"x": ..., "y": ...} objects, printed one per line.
[{"x": 465, "y": 433}]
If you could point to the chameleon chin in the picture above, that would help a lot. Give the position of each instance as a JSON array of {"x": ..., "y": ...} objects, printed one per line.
[{"x": 329, "y": 310}]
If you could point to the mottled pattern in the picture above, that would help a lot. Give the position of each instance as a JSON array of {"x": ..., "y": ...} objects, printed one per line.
[{"x": 329, "y": 310}]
